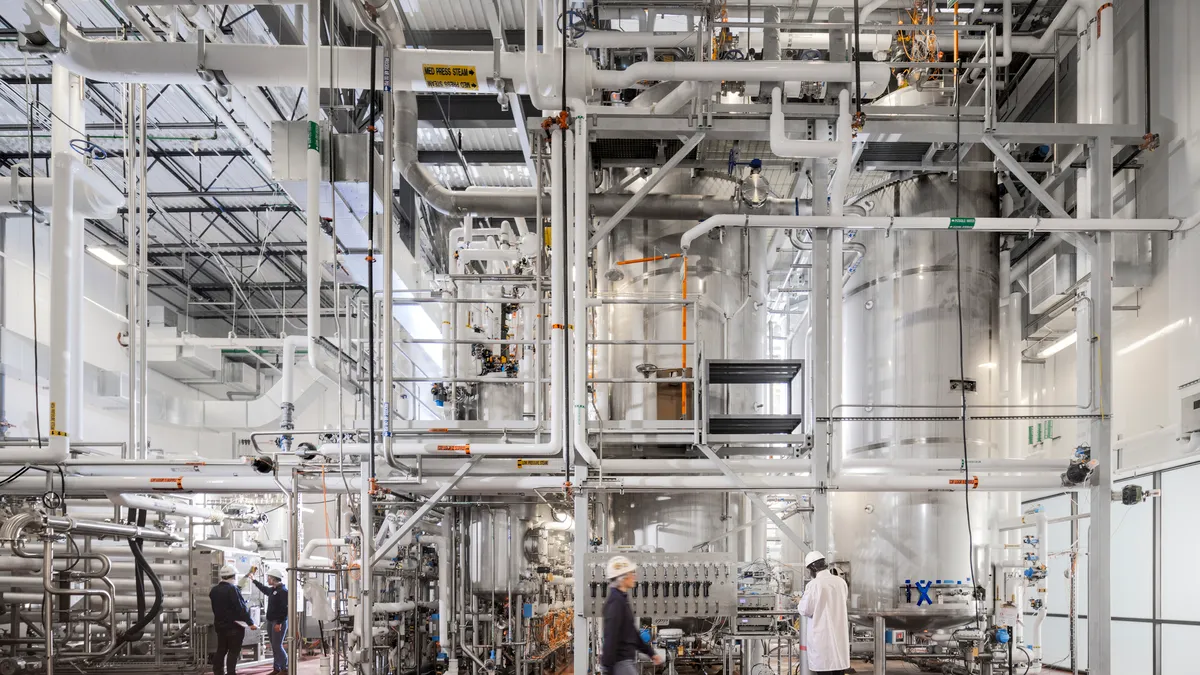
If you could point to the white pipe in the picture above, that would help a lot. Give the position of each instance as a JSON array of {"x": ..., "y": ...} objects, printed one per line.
[
  {"x": 675, "y": 99},
  {"x": 314, "y": 544},
  {"x": 536, "y": 97},
  {"x": 580, "y": 292},
  {"x": 875, "y": 76},
  {"x": 1024, "y": 43},
  {"x": 1106, "y": 28},
  {"x": 443, "y": 544},
  {"x": 1043, "y": 554},
  {"x": 953, "y": 465},
  {"x": 393, "y": 607},
  {"x": 935, "y": 223},
  {"x": 66, "y": 267},
  {"x": 94, "y": 196},
  {"x": 782, "y": 146},
  {"x": 613, "y": 39},
  {"x": 157, "y": 505},
  {"x": 10, "y": 563},
  {"x": 868, "y": 42}
]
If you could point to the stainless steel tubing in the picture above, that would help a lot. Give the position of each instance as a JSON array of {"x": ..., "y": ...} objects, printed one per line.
[{"x": 101, "y": 529}]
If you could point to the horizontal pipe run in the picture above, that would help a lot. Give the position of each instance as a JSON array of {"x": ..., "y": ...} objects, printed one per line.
[{"x": 888, "y": 223}]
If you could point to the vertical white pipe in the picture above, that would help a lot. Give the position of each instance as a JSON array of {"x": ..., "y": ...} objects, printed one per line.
[
  {"x": 143, "y": 275},
  {"x": 66, "y": 277},
  {"x": 131, "y": 277},
  {"x": 312, "y": 158},
  {"x": 1103, "y": 48},
  {"x": 579, "y": 167},
  {"x": 1083, "y": 109},
  {"x": 1043, "y": 555},
  {"x": 603, "y": 352}
]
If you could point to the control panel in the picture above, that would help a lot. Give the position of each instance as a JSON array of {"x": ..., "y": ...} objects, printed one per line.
[{"x": 669, "y": 585}]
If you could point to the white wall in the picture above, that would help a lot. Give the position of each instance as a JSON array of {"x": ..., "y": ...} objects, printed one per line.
[{"x": 1147, "y": 378}]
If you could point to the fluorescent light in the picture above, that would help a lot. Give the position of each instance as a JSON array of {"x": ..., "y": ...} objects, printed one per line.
[
  {"x": 1165, "y": 330},
  {"x": 987, "y": 365},
  {"x": 662, "y": 498},
  {"x": 1058, "y": 346},
  {"x": 106, "y": 256}
]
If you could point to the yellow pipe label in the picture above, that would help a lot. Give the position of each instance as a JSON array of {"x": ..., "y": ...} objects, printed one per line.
[{"x": 443, "y": 76}]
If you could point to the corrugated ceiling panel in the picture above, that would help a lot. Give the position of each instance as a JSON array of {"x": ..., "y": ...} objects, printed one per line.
[
  {"x": 460, "y": 14},
  {"x": 429, "y": 138}
]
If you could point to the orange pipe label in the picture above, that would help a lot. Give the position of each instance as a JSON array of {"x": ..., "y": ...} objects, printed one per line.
[
  {"x": 455, "y": 448},
  {"x": 167, "y": 483},
  {"x": 974, "y": 482}
]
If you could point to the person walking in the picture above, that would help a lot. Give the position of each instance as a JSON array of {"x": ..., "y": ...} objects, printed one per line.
[
  {"x": 824, "y": 603},
  {"x": 277, "y": 617},
  {"x": 231, "y": 618},
  {"x": 622, "y": 639}
]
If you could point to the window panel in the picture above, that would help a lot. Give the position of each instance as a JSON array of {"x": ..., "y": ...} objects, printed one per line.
[
  {"x": 1179, "y": 649},
  {"x": 1132, "y": 648},
  {"x": 1180, "y": 545},
  {"x": 1132, "y": 539}
]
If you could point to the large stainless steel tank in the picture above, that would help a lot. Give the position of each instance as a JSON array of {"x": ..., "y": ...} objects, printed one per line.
[
  {"x": 724, "y": 269},
  {"x": 673, "y": 523},
  {"x": 901, "y": 331}
]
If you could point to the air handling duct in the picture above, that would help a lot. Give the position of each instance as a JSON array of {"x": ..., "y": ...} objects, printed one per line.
[{"x": 522, "y": 202}]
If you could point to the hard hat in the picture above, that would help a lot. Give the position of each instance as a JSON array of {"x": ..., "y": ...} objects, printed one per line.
[
  {"x": 276, "y": 571},
  {"x": 619, "y": 566},
  {"x": 227, "y": 572},
  {"x": 813, "y": 557}
]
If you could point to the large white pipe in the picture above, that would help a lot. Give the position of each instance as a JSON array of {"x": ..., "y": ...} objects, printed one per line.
[
  {"x": 936, "y": 223},
  {"x": 94, "y": 197},
  {"x": 579, "y": 388},
  {"x": 1106, "y": 29},
  {"x": 875, "y": 76},
  {"x": 1023, "y": 43},
  {"x": 782, "y": 146},
  {"x": 157, "y": 505},
  {"x": 35, "y": 599}
]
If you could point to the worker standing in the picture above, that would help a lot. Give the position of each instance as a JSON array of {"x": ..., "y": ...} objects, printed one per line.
[
  {"x": 824, "y": 603},
  {"x": 231, "y": 618},
  {"x": 277, "y": 617},
  {"x": 622, "y": 639}
]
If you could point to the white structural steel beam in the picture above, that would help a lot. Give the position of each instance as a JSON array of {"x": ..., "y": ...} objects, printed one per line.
[
  {"x": 408, "y": 525},
  {"x": 756, "y": 498},
  {"x": 645, "y": 189},
  {"x": 1014, "y": 167}
]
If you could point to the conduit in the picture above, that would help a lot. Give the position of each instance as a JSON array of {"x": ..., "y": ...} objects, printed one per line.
[
  {"x": 157, "y": 505},
  {"x": 613, "y": 39},
  {"x": 1023, "y": 225},
  {"x": 579, "y": 328}
]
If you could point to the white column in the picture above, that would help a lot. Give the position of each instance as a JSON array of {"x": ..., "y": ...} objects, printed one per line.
[{"x": 1099, "y": 546}]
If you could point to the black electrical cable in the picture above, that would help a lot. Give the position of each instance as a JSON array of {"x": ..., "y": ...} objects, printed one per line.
[
  {"x": 962, "y": 354},
  {"x": 138, "y": 579},
  {"x": 1146, "y": 56},
  {"x": 135, "y": 631}
]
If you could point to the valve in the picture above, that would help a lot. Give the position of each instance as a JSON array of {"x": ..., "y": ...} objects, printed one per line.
[{"x": 1081, "y": 467}]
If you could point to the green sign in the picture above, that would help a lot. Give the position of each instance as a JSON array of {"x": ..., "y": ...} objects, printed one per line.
[
  {"x": 314, "y": 136},
  {"x": 962, "y": 223}
]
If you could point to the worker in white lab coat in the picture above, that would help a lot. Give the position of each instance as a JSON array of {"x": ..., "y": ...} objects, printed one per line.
[{"x": 824, "y": 603}]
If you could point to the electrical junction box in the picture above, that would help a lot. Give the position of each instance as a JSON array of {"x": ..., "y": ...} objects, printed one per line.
[{"x": 1189, "y": 417}]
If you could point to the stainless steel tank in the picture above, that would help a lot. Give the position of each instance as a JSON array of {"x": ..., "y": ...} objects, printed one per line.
[
  {"x": 726, "y": 275},
  {"x": 496, "y": 554},
  {"x": 901, "y": 332},
  {"x": 673, "y": 522}
]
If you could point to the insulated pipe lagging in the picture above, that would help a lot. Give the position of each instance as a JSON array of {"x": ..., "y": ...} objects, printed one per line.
[{"x": 782, "y": 146}]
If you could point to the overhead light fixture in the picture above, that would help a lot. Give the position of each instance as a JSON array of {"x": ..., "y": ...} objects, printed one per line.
[
  {"x": 662, "y": 498},
  {"x": 1058, "y": 346},
  {"x": 1165, "y": 330},
  {"x": 987, "y": 365},
  {"x": 105, "y": 255}
]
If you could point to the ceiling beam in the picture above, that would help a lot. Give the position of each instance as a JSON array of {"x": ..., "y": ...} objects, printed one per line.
[
  {"x": 464, "y": 39},
  {"x": 466, "y": 111}
]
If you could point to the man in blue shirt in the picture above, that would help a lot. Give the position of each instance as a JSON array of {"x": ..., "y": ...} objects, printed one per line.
[
  {"x": 622, "y": 640},
  {"x": 277, "y": 615},
  {"x": 231, "y": 618}
]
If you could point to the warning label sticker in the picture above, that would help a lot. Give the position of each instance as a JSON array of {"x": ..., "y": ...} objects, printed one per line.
[
  {"x": 522, "y": 463},
  {"x": 442, "y": 76}
]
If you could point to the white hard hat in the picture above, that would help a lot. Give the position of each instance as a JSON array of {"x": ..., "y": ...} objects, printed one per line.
[
  {"x": 619, "y": 566},
  {"x": 276, "y": 571},
  {"x": 227, "y": 572},
  {"x": 813, "y": 557}
]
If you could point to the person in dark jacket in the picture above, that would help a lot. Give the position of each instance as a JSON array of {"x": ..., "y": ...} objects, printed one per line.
[
  {"x": 622, "y": 640},
  {"x": 231, "y": 618},
  {"x": 277, "y": 617}
]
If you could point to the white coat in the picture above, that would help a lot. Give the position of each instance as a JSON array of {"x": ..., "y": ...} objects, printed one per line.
[{"x": 828, "y": 639}]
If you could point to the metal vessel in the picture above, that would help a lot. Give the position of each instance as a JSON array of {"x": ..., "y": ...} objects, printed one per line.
[
  {"x": 723, "y": 277},
  {"x": 902, "y": 333},
  {"x": 673, "y": 523}
]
